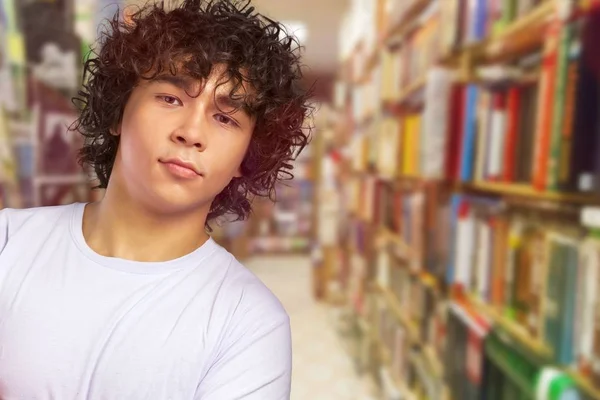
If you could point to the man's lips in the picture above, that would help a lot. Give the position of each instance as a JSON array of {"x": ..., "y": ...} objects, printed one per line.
[{"x": 181, "y": 168}]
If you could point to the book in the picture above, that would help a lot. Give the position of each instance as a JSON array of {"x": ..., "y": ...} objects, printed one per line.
[
  {"x": 559, "y": 298},
  {"x": 545, "y": 105},
  {"x": 497, "y": 134},
  {"x": 526, "y": 133},
  {"x": 565, "y": 151},
  {"x": 565, "y": 41},
  {"x": 470, "y": 133},
  {"x": 513, "y": 104}
]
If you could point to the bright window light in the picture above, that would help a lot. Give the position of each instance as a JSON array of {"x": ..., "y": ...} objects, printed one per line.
[{"x": 297, "y": 29}]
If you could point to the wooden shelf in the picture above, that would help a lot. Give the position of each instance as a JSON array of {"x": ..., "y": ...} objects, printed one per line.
[
  {"x": 584, "y": 384},
  {"x": 513, "y": 329},
  {"x": 386, "y": 236},
  {"x": 435, "y": 362},
  {"x": 396, "y": 308},
  {"x": 519, "y": 38},
  {"x": 515, "y": 190},
  {"x": 528, "y": 192},
  {"x": 413, "y": 88},
  {"x": 394, "y": 238},
  {"x": 394, "y": 106},
  {"x": 384, "y": 353},
  {"x": 406, "y": 20},
  {"x": 370, "y": 64}
]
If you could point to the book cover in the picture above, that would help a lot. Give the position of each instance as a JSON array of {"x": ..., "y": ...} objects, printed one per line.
[
  {"x": 553, "y": 295},
  {"x": 545, "y": 105},
  {"x": 558, "y": 112},
  {"x": 410, "y": 145},
  {"x": 465, "y": 237},
  {"x": 455, "y": 204},
  {"x": 499, "y": 256},
  {"x": 435, "y": 121},
  {"x": 559, "y": 307},
  {"x": 454, "y": 133},
  {"x": 484, "y": 110},
  {"x": 483, "y": 258},
  {"x": 418, "y": 230},
  {"x": 497, "y": 137},
  {"x": 526, "y": 133},
  {"x": 455, "y": 357},
  {"x": 565, "y": 152},
  {"x": 587, "y": 102},
  {"x": 587, "y": 334},
  {"x": 470, "y": 130},
  {"x": 567, "y": 352},
  {"x": 513, "y": 104}
]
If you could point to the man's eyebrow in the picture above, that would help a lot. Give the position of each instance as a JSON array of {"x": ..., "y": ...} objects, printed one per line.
[
  {"x": 225, "y": 102},
  {"x": 186, "y": 83}
]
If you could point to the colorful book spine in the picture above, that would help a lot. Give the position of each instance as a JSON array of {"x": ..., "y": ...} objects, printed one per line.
[
  {"x": 545, "y": 105},
  {"x": 497, "y": 136},
  {"x": 455, "y": 130},
  {"x": 559, "y": 106},
  {"x": 500, "y": 251},
  {"x": 513, "y": 104},
  {"x": 470, "y": 130},
  {"x": 587, "y": 322},
  {"x": 483, "y": 133},
  {"x": 566, "y": 147}
]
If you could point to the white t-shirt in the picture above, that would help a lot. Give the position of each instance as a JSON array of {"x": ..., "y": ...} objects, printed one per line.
[{"x": 78, "y": 325}]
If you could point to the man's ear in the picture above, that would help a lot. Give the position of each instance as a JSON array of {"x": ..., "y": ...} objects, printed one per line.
[
  {"x": 116, "y": 131},
  {"x": 238, "y": 173}
]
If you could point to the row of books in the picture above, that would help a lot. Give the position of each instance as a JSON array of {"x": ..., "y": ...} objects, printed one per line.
[
  {"x": 475, "y": 360},
  {"x": 485, "y": 363},
  {"x": 539, "y": 125},
  {"x": 425, "y": 29},
  {"x": 471, "y": 21},
  {"x": 411, "y": 369},
  {"x": 535, "y": 124},
  {"x": 539, "y": 273},
  {"x": 536, "y": 270},
  {"x": 439, "y": 30}
]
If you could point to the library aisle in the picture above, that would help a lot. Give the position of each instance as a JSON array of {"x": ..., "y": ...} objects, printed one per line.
[{"x": 322, "y": 368}]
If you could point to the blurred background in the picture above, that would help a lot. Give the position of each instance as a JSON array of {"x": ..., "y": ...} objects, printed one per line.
[{"x": 441, "y": 239}]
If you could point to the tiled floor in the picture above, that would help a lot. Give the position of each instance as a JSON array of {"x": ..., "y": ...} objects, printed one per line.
[{"x": 322, "y": 368}]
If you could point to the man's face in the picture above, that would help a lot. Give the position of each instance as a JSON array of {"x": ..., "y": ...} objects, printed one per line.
[{"x": 180, "y": 146}]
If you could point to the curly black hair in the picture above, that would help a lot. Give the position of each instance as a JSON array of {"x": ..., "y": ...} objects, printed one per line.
[{"x": 191, "y": 39}]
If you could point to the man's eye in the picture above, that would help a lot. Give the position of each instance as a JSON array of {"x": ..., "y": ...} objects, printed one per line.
[
  {"x": 224, "y": 119},
  {"x": 170, "y": 100}
]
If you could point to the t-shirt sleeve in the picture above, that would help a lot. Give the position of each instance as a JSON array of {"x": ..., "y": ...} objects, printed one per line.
[
  {"x": 255, "y": 362},
  {"x": 3, "y": 228}
]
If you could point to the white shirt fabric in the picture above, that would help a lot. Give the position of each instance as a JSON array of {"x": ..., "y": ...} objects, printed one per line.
[{"x": 78, "y": 325}]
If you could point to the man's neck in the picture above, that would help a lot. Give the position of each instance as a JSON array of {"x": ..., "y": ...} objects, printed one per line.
[{"x": 118, "y": 227}]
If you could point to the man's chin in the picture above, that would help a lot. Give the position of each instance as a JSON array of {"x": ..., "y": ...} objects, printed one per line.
[{"x": 171, "y": 203}]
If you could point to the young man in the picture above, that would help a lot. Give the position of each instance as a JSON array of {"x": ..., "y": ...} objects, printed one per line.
[{"x": 186, "y": 114}]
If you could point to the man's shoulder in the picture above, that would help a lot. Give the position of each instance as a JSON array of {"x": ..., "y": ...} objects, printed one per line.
[
  {"x": 14, "y": 218},
  {"x": 30, "y": 221},
  {"x": 250, "y": 295}
]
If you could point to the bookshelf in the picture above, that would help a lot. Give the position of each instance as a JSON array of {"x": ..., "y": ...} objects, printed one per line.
[
  {"x": 528, "y": 192},
  {"x": 35, "y": 104},
  {"x": 467, "y": 179},
  {"x": 518, "y": 38},
  {"x": 407, "y": 16}
]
